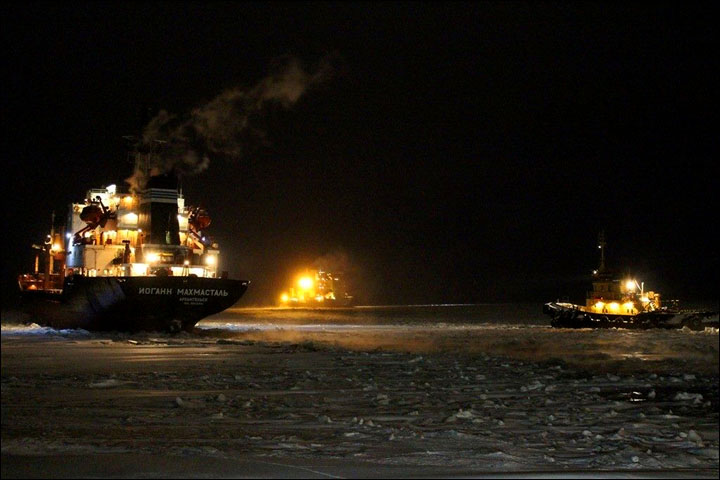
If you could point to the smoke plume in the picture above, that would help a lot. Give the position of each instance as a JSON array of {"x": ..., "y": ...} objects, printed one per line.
[
  {"x": 222, "y": 128},
  {"x": 337, "y": 261}
]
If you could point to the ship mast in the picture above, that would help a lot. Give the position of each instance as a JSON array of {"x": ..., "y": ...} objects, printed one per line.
[
  {"x": 48, "y": 250},
  {"x": 601, "y": 246}
]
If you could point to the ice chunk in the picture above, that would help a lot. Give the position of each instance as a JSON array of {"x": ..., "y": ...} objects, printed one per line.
[
  {"x": 696, "y": 397},
  {"x": 109, "y": 383},
  {"x": 693, "y": 436}
]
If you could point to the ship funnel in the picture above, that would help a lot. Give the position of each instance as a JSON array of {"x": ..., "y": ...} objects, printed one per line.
[{"x": 159, "y": 209}]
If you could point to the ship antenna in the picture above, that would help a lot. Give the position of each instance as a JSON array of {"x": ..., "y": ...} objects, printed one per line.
[
  {"x": 133, "y": 153},
  {"x": 601, "y": 246}
]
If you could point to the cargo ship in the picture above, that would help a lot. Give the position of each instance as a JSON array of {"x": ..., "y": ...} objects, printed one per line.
[
  {"x": 623, "y": 302},
  {"x": 317, "y": 289},
  {"x": 128, "y": 262}
]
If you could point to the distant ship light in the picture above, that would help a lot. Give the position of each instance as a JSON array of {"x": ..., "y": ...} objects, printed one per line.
[
  {"x": 630, "y": 285},
  {"x": 305, "y": 283},
  {"x": 152, "y": 257},
  {"x": 284, "y": 298},
  {"x": 211, "y": 260}
]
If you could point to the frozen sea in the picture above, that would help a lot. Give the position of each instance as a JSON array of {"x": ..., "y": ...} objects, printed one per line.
[{"x": 420, "y": 390}]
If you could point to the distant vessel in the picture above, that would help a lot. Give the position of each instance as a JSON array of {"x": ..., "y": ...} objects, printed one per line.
[
  {"x": 315, "y": 289},
  {"x": 624, "y": 303},
  {"x": 129, "y": 262}
]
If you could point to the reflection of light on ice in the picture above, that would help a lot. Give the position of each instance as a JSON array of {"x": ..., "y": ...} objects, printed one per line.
[
  {"x": 254, "y": 327},
  {"x": 601, "y": 348}
]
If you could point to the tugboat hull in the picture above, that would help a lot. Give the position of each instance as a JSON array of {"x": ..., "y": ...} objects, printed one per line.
[
  {"x": 132, "y": 303},
  {"x": 566, "y": 315}
]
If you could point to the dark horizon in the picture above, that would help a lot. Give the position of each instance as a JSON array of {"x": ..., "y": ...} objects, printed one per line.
[{"x": 450, "y": 153}]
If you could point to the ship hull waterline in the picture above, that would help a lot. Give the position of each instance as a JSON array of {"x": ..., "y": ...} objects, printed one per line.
[
  {"x": 132, "y": 304},
  {"x": 564, "y": 315}
]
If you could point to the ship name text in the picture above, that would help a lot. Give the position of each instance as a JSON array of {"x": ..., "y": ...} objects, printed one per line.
[{"x": 208, "y": 292}]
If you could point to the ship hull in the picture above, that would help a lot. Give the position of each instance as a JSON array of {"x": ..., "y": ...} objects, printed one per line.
[
  {"x": 132, "y": 303},
  {"x": 565, "y": 315}
]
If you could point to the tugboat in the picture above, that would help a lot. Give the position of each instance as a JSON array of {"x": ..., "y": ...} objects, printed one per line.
[
  {"x": 616, "y": 302},
  {"x": 129, "y": 262},
  {"x": 317, "y": 289}
]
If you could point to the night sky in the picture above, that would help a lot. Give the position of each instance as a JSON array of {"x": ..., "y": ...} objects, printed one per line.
[{"x": 454, "y": 152}]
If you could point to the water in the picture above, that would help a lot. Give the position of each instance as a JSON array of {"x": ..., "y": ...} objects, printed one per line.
[
  {"x": 519, "y": 331},
  {"x": 496, "y": 314}
]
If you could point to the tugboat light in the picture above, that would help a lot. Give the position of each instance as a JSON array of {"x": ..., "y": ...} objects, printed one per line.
[{"x": 210, "y": 259}]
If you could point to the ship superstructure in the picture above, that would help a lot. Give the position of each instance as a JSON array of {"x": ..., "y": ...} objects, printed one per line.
[
  {"x": 618, "y": 295},
  {"x": 152, "y": 233},
  {"x": 317, "y": 288}
]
